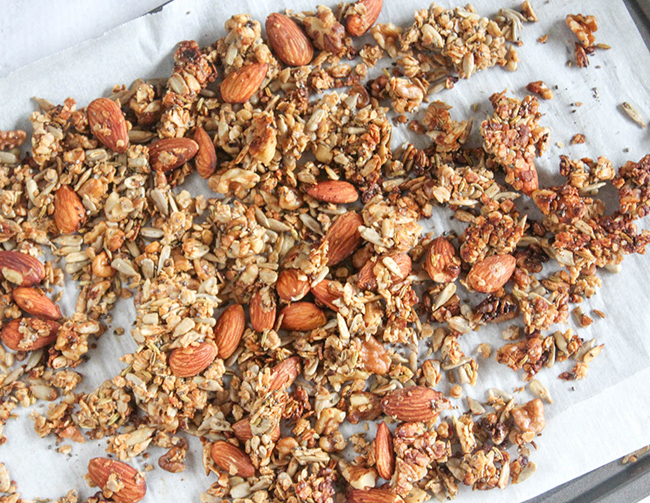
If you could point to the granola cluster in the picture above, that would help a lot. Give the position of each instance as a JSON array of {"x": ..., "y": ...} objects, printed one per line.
[{"x": 296, "y": 299}]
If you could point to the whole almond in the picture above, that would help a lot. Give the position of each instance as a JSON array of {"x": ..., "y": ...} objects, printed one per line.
[
  {"x": 170, "y": 153},
  {"x": 20, "y": 268},
  {"x": 108, "y": 125},
  {"x": 284, "y": 373},
  {"x": 373, "y": 496},
  {"x": 399, "y": 267},
  {"x": 240, "y": 85},
  {"x": 206, "y": 157},
  {"x": 343, "y": 237},
  {"x": 442, "y": 262},
  {"x": 302, "y": 316},
  {"x": 362, "y": 15},
  {"x": 231, "y": 459},
  {"x": 34, "y": 302},
  {"x": 490, "y": 274},
  {"x": 333, "y": 191},
  {"x": 243, "y": 432},
  {"x": 29, "y": 334},
  {"x": 415, "y": 403},
  {"x": 288, "y": 41},
  {"x": 262, "y": 310},
  {"x": 229, "y": 329},
  {"x": 192, "y": 360},
  {"x": 69, "y": 213},
  {"x": 292, "y": 285},
  {"x": 326, "y": 292},
  {"x": 384, "y": 454},
  {"x": 133, "y": 486}
]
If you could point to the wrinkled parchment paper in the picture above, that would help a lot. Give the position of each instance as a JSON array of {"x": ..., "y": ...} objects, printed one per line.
[{"x": 591, "y": 422}]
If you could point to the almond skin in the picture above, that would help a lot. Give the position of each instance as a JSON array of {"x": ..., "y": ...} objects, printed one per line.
[
  {"x": 170, "y": 153},
  {"x": 302, "y": 317},
  {"x": 69, "y": 213},
  {"x": 240, "y": 85},
  {"x": 326, "y": 292},
  {"x": 262, "y": 310},
  {"x": 442, "y": 262},
  {"x": 384, "y": 454},
  {"x": 363, "y": 15},
  {"x": 108, "y": 125},
  {"x": 40, "y": 333},
  {"x": 243, "y": 432},
  {"x": 333, "y": 191},
  {"x": 490, "y": 274},
  {"x": 343, "y": 237},
  {"x": 415, "y": 403},
  {"x": 192, "y": 360},
  {"x": 292, "y": 285},
  {"x": 367, "y": 280},
  {"x": 284, "y": 373},
  {"x": 206, "y": 157},
  {"x": 20, "y": 268},
  {"x": 288, "y": 41},
  {"x": 34, "y": 302},
  {"x": 373, "y": 496},
  {"x": 231, "y": 459},
  {"x": 229, "y": 330},
  {"x": 100, "y": 469}
]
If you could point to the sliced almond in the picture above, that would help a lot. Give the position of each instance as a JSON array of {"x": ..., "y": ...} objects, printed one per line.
[
  {"x": 490, "y": 274},
  {"x": 343, "y": 237},
  {"x": 20, "y": 268},
  {"x": 231, "y": 459},
  {"x": 292, "y": 285},
  {"x": 384, "y": 454},
  {"x": 192, "y": 360},
  {"x": 206, "y": 156},
  {"x": 415, "y": 403},
  {"x": 170, "y": 153},
  {"x": 442, "y": 262},
  {"x": 131, "y": 483},
  {"x": 240, "y": 85},
  {"x": 333, "y": 191},
  {"x": 302, "y": 317},
  {"x": 69, "y": 212},
  {"x": 288, "y": 41},
  {"x": 108, "y": 125},
  {"x": 229, "y": 330},
  {"x": 33, "y": 301}
]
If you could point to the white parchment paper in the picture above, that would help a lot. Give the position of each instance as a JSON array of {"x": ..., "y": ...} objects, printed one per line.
[{"x": 591, "y": 422}]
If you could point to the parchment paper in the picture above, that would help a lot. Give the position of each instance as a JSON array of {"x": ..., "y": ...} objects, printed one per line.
[{"x": 591, "y": 422}]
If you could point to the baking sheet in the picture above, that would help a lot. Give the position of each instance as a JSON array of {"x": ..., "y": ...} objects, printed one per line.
[{"x": 592, "y": 421}]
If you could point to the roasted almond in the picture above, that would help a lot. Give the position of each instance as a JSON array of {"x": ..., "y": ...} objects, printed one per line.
[
  {"x": 343, "y": 237},
  {"x": 262, "y": 310},
  {"x": 373, "y": 496},
  {"x": 384, "y": 454},
  {"x": 284, "y": 373},
  {"x": 326, "y": 292},
  {"x": 34, "y": 302},
  {"x": 231, "y": 459},
  {"x": 491, "y": 273},
  {"x": 240, "y": 85},
  {"x": 229, "y": 329},
  {"x": 362, "y": 15},
  {"x": 302, "y": 316},
  {"x": 206, "y": 157},
  {"x": 333, "y": 191},
  {"x": 192, "y": 360},
  {"x": 243, "y": 432},
  {"x": 170, "y": 153},
  {"x": 20, "y": 268},
  {"x": 69, "y": 213},
  {"x": 29, "y": 334},
  {"x": 398, "y": 266},
  {"x": 288, "y": 41},
  {"x": 131, "y": 482},
  {"x": 292, "y": 285},
  {"x": 415, "y": 403},
  {"x": 442, "y": 262},
  {"x": 108, "y": 125}
]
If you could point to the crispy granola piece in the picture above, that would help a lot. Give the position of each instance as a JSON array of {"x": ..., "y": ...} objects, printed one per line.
[{"x": 10, "y": 140}]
